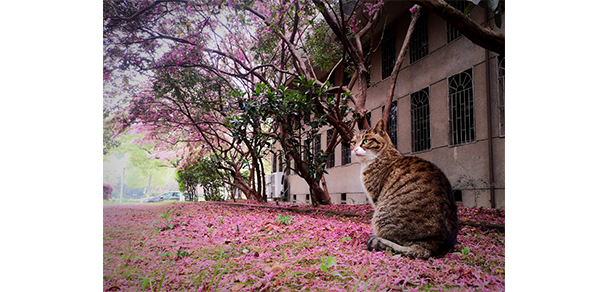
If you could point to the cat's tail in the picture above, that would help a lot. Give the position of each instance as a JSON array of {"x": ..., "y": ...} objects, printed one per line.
[{"x": 412, "y": 249}]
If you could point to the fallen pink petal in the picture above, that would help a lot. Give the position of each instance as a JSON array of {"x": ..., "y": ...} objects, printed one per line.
[{"x": 247, "y": 247}]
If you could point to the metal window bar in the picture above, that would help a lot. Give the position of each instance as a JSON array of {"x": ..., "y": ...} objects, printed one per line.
[
  {"x": 420, "y": 120},
  {"x": 388, "y": 52},
  {"x": 391, "y": 127},
  {"x": 346, "y": 156},
  {"x": 307, "y": 151},
  {"x": 501, "y": 84},
  {"x": 418, "y": 48},
  {"x": 452, "y": 32},
  {"x": 330, "y": 160},
  {"x": 461, "y": 105}
]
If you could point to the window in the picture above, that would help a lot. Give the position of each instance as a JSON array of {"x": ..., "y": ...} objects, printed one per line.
[
  {"x": 392, "y": 123},
  {"x": 452, "y": 32},
  {"x": 307, "y": 198},
  {"x": 501, "y": 92},
  {"x": 307, "y": 151},
  {"x": 420, "y": 120},
  {"x": 343, "y": 198},
  {"x": 346, "y": 155},
  {"x": 274, "y": 163},
  {"x": 461, "y": 108},
  {"x": 388, "y": 52},
  {"x": 418, "y": 47},
  {"x": 330, "y": 160}
]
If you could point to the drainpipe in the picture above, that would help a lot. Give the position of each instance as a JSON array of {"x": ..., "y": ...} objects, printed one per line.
[{"x": 490, "y": 148}]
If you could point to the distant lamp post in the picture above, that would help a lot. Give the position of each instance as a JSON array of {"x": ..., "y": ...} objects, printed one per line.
[{"x": 122, "y": 182}]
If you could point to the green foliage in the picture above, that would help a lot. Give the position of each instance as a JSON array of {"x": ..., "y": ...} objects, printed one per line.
[
  {"x": 167, "y": 220},
  {"x": 327, "y": 263},
  {"x": 344, "y": 239},
  {"x": 303, "y": 108},
  {"x": 204, "y": 173},
  {"x": 286, "y": 220},
  {"x": 109, "y": 141},
  {"x": 141, "y": 167},
  {"x": 323, "y": 49},
  {"x": 464, "y": 251}
]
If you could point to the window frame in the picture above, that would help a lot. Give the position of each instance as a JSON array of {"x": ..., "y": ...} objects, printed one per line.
[
  {"x": 419, "y": 44},
  {"x": 462, "y": 123},
  {"x": 420, "y": 120},
  {"x": 388, "y": 52}
]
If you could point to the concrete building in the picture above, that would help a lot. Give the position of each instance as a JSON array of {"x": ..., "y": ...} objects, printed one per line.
[{"x": 448, "y": 108}]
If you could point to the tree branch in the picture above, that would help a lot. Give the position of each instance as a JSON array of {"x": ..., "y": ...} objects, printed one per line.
[
  {"x": 481, "y": 36},
  {"x": 416, "y": 11}
]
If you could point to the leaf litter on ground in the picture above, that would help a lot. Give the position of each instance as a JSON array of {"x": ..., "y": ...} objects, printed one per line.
[{"x": 217, "y": 247}]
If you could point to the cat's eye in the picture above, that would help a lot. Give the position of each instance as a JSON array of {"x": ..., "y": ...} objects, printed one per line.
[{"x": 365, "y": 141}]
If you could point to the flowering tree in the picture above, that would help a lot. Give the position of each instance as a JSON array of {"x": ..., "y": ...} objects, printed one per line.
[
  {"x": 107, "y": 191},
  {"x": 183, "y": 111},
  {"x": 197, "y": 52}
]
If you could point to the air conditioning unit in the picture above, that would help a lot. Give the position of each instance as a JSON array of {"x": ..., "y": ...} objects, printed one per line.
[{"x": 274, "y": 185}]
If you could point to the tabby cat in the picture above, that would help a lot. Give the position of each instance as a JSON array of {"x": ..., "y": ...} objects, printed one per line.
[{"x": 415, "y": 211}]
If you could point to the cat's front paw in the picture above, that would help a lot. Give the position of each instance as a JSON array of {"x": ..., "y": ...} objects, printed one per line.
[{"x": 372, "y": 242}]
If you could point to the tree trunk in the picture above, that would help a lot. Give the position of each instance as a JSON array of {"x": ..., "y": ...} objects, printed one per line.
[{"x": 416, "y": 11}]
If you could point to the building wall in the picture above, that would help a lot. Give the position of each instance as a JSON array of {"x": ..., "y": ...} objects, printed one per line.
[{"x": 467, "y": 165}]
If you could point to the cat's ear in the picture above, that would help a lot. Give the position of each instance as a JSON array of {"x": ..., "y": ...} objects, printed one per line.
[{"x": 379, "y": 127}]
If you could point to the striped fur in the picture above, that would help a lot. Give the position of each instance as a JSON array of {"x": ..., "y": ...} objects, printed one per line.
[{"x": 415, "y": 211}]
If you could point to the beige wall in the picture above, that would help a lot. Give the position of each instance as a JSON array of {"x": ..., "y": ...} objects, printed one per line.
[{"x": 466, "y": 165}]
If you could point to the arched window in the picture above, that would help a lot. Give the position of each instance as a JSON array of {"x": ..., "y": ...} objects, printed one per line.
[
  {"x": 420, "y": 120},
  {"x": 461, "y": 108}
]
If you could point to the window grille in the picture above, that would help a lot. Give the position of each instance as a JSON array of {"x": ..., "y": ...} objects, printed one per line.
[
  {"x": 420, "y": 120},
  {"x": 418, "y": 47},
  {"x": 388, "y": 52},
  {"x": 346, "y": 156},
  {"x": 461, "y": 108},
  {"x": 307, "y": 151},
  {"x": 391, "y": 127},
  {"x": 501, "y": 85},
  {"x": 330, "y": 160},
  {"x": 452, "y": 32}
]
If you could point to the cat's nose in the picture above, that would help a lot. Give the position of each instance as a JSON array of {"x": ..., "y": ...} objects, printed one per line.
[{"x": 358, "y": 151}]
